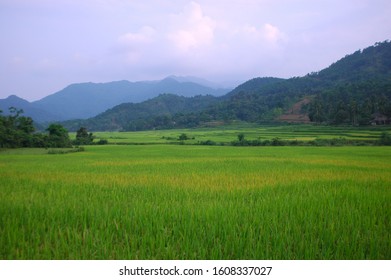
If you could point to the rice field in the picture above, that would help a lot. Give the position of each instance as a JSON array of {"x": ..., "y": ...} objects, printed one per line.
[
  {"x": 229, "y": 133},
  {"x": 196, "y": 202}
]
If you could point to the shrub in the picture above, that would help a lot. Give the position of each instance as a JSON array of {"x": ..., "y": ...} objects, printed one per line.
[
  {"x": 385, "y": 139},
  {"x": 183, "y": 137},
  {"x": 102, "y": 142},
  {"x": 208, "y": 142},
  {"x": 67, "y": 151},
  {"x": 277, "y": 142}
]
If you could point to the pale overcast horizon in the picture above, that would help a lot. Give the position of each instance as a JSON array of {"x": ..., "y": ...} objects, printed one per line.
[{"x": 47, "y": 45}]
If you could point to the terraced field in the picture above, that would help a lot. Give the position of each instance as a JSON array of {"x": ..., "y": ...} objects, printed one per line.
[{"x": 229, "y": 133}]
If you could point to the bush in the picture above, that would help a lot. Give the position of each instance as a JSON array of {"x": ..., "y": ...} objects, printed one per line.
[
  {"x": 67, "y": 151},
  {"x": 385, "y": 139},
  {"x": 183, "y": 137},
  {"x": 102, "y": 142},
  {"x": 208, "y": 142},
  {"x": 277, "y": 142}
]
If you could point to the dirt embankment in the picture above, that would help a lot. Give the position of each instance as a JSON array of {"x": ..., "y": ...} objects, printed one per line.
[{"x": 294, "y": 114}]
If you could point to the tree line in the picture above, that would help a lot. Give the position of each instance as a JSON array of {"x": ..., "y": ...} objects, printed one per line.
[{"x": 18, "y": 131}]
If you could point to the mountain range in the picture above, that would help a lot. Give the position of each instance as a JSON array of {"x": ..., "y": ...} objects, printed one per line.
[
  {"x": 355, "y": 90},
  {"x": 85, "y": 100}
]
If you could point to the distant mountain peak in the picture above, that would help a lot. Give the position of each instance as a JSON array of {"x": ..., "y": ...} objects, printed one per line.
[
  {"x": 14, "y": 99},
  {"x": 85, "y": 100},
  {"x": 196, "y": 80},
  {"x": 28, "y": 108}
]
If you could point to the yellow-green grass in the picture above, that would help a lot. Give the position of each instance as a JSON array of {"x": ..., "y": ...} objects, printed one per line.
[
  {"x": 196, "y": 202},
  {"x": 229, "y": 133}
]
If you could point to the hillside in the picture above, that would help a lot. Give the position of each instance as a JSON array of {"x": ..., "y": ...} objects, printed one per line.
[
  {"x": 360, "y": 80},
  {"x": 355, "y": 90},
  {"x": 254, "y": 85},
  {"x": 372, "y": 63},
  {"x": 152, "y": 113}
]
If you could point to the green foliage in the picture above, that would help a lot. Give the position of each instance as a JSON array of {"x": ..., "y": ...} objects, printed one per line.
[
  {"x": 385, "y": 139},
  {"x": 102, "y": 142},
  {"x": 183, "y": 137},
  {"x": 156, "y": 113},
  {"x": 352, "y": 103},
  {"x": 58, "y": 137},
  {"x": 83, "y": 137},
  {"x": 66, "y": 151},
  {"x": 277, "y": 142},
  {"x": 207, "y": 143},
  {"x": 371, "y": 63},
  {"x": 17, "y": 131}
]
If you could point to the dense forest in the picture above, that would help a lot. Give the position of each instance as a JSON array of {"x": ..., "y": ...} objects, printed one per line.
[
  {"x": 353, "y": 103},
  {"x": 355, "y": 90}
]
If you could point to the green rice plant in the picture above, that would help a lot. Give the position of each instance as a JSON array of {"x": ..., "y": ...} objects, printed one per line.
[
  {"x": 196, "y": 202},
  {"x": 227, "y": 134}
]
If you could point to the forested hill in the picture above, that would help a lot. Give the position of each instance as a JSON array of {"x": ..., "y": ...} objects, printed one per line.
[
  {"x": 254, "y": 85},
  {"x": 372, "y": 63},
  {"x": 350, "y": 91},
  {"x": 355, "y": 90},
  {"x": 156, "y": 112}
]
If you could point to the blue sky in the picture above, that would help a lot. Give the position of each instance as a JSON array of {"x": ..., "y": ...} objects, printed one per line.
[{"x": 47, "y": 45}]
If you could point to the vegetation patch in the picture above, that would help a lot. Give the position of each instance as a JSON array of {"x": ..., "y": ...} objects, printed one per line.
[{"x": 65, "y": 151}]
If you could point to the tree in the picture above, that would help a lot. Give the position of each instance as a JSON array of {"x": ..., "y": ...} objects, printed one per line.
[
  {"x": 83, "y": 137},
  {"x": 385, "y": 139},
  {"x": 25, "y": 124},
  {"x": 2, "y": 130},
  {"x": 58, "y": 137},
  {"x": 241, "y": 137},
  {"x": 18, "y": 131},
  {"x": 183, "y": 137},
  {"x": 15, "y": 130},
  {"x": 316, "y": 112}
]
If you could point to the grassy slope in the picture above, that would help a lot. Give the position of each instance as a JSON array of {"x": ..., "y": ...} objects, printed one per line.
[{"x": 194, "y": 202}]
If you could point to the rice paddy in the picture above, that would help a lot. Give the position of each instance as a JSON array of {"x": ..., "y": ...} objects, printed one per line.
[
  {"x": 196, "y": 202},
  {"x": 226, "y": 134}
]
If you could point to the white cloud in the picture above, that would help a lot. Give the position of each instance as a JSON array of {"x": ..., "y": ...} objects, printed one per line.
[
  {"x": 135, "y": 44},
  {"x": 197, "y": 30},
  {"x": 272, "y": 33},
  {"x": 267, "y": 34},
  {"x": 144, "y": 36}
]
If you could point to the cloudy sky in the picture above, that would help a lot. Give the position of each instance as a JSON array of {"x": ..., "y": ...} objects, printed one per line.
[{"x": 47, "y": 45}]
